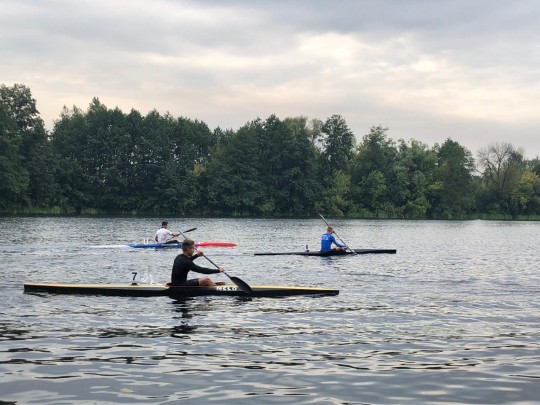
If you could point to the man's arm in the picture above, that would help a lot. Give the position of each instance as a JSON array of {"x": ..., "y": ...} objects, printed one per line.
[
  {"x": 203, "y": 270},
  {"x": 341, "y": 245}
]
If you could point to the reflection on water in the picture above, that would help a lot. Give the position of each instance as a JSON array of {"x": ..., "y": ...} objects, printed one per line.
[{"x": 453, "y": 317}]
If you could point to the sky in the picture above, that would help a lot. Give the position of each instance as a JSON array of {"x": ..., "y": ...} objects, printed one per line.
[{"x": 428, "y": 70}]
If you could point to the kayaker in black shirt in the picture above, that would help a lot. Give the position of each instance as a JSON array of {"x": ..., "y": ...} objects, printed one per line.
[{"x": 183, "y": 264}]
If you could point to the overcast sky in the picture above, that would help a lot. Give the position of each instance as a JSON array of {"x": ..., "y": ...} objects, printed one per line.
[{"x": 426, "y": 69}]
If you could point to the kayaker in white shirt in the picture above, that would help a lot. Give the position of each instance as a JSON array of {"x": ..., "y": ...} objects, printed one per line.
[{"x": 163, "y": 234}]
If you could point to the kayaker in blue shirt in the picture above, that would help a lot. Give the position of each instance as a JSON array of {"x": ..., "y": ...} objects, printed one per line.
[{"x": 328, "y": 238}]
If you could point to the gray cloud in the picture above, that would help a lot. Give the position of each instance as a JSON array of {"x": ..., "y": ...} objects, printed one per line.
[{"x": 429, "y": 70}]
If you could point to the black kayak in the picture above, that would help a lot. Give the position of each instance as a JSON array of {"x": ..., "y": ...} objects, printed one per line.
[
  {"x": 148, "y": 290},
  {"x": 330, "y": 253}
]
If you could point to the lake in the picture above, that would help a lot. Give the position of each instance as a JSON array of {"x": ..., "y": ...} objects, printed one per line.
[{"x": 452, "y": 318}]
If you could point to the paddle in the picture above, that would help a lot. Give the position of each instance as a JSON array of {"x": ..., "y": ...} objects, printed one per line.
[
  {"x": 327, "y": 224},
  {"x": 240, "y": 283},
  {"x": 189, "y": 230}
]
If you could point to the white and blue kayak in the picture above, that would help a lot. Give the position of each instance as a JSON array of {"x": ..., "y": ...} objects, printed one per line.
[{"x": 178, "y": 245}]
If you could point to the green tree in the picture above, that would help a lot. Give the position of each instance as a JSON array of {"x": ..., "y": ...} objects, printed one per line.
[
  {"x": 334, "y": 195},
  {"x": 373, "y": 189},
  {"x": 338, "y": 144},
  {"x": 26, "y": 159},
  {"x": 13, "y": 176},
  {"x": 378, "y": 155},
  {"x": 191, "y": 142},
  {"x": 416, "y": 164},
  {"x": 68, "y": 144},
  {"x": 455, "y": 194},
  {"x": 501, "y": 166},
  {"x": 286, "y": 153},
  {"x": 151, "y": 156},
  {"x": 233, "y": 173},
  {"x": 265, "y": 168},
  {"x": 299, "y": 171},
  {"x": 525, "y": 196},
  {"x": 97, "y": 146},
  {"x": 534, "y": 166}
]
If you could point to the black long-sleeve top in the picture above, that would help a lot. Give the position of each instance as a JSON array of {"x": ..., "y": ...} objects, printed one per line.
[{"x": 181, "y": 267}]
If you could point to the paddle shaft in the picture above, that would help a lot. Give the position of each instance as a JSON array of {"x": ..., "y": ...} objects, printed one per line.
[
  {"x": 189, "y": 230},
  {"x": 342, "y": 241},
  {"x": 240, "y": 283}
]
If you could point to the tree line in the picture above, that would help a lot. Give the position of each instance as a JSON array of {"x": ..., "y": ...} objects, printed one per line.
[{"x": 105, "y": 161}]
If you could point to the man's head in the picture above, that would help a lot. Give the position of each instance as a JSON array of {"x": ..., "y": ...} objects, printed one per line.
[
  {"x": 188, "y": 245},
  {"x": 330, "y": 229},
  {"x": 164, "y": 224}
]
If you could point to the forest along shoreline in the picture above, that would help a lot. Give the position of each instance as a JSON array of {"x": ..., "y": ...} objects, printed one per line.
[{"x": 103, "y": 161}]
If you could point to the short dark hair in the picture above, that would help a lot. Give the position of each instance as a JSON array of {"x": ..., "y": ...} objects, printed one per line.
[
  {"x": 187, "y": 243},
  {"x": 164, "y": 223}
]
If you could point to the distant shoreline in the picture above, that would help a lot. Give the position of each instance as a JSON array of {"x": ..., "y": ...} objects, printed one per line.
[{"x": 95, "y": 214}]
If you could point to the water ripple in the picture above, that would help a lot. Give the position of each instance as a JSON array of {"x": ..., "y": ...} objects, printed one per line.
[{"x": 451, "y": 318}]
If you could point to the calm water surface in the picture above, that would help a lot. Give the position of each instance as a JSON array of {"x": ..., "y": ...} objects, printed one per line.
[{"x": 453, "y": 317}]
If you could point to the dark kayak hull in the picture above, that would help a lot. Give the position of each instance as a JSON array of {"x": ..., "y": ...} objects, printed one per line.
[
  {"x": 332, "y": 252},
  {"x": 146, "y": 290},
  {"x": 179, "y": 245}
]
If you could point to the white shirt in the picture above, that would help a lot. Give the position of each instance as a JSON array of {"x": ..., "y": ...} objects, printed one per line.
[{"x": 162, "y": 235}]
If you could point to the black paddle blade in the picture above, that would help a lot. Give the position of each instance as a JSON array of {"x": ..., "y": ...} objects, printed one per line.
[
  {"x": 240, "y": 284},
  {"x": 190, "y": 230}
]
